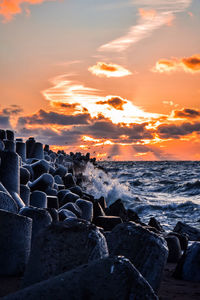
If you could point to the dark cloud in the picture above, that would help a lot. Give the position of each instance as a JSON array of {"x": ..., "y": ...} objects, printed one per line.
[
  {"x": 167, "y": 131},
  {"x": 43, "y": 118},
  {"x": 115, "y": 102},
  {"x": 107, "y": 130},
  {"x": 4, "y": 122},
  {"x": 12, "y": 110},
  {"x": 186, "y": 113}
]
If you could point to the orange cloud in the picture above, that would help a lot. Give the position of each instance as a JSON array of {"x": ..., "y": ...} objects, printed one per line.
[
  {"x": 188, "y": 64},
  {"x": 10, "y": 8},
  {"x": 102, "y": 69},
  {"x": 147, "y": 13},
  {"x": 115, "y": 102},
  {"x": 71, "y": 92}
]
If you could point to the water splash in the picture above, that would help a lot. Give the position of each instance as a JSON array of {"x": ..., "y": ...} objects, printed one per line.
[{"x": 100, "y": 184}]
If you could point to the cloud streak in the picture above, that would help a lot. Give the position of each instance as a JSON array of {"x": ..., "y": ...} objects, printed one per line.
[{"x": 150, "y": 19}]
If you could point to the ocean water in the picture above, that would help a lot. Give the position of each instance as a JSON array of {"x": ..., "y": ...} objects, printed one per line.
[{"x": 167, "y": 190}]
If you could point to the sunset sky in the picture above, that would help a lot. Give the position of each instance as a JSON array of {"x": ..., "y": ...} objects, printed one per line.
[{"x": 117, "y": 78}]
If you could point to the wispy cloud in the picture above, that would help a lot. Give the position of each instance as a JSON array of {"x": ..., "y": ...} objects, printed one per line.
[
  {"x": 151, "y": 17},
  {"x": 102, "y": 69},
  {"x": 94, "y": 102},
  {"x": 10, "y": 8},
  {"x": 187, "y": 64}
]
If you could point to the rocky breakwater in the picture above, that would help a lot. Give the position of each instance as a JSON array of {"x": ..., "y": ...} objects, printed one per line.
[{"x": 59, "y": 240}]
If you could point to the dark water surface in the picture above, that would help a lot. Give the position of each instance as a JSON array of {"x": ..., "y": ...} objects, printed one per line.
[{"x": 167, "y": 190}]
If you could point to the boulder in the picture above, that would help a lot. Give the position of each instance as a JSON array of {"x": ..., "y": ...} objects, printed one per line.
[
  {"x": 8, "y": 203},
  {"x": 109, "y": 278},
  {"x": 188, "y": 267},
  {"x": 193, "y": 233},
  {"x": 15, "y": 241},
  {"x": 146, "y": 250},
  {"x": 174, "y": 248},
  {"x": 42, "y": 183},
  {"x": 86, "y": 209},
  {"x": 154, "y": 223},
  {"x": 41, "y": 218},
  {"x": 107, "y": 222},
  {"x": 38, "y": 199},
  {"x": 69, "y": 180},
  {"x": 61, "y": 247}
]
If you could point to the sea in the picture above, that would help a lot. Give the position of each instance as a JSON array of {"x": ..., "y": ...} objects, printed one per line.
[{"x": 166, "y": 190}]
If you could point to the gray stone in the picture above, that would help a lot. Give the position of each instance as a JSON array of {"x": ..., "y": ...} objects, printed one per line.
[
  {"x": 15, "y": 241},
  {"x": 113, "y": 278},
  {"x": 65, "y": 213},
  {"x": 40, "y": 167},
  {"x": 61, "y": 171},
  {"x": 38, "y": 199},
  {"x": 86, "y": 209},
  {"x": 9, "y": 175},
  {"x": 72, "y": 207},
  {"x": 174, "y": 248},
  {"x": 193, "y": 233},
  {"x": 146, "y": 250},
  {"x": 8, "y": 203},
  {"x": 25, "y": 194},
  {"x": 21, "y": 149},
  {"x": 61, "y": 247},
  {"x": 24, "y": 175},
  {"x": 191, "y": 265},
  {"x": 42, "y": 183},
  {"x": 41, "y": 218},
  {"x": 107, "y": 222},
  {"x": 68, "y": 197}
]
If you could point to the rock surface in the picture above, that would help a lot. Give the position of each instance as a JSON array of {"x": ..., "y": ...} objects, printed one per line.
[{"x": 110, "y": 278}]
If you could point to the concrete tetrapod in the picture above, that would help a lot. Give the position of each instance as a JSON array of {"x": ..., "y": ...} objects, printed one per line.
[
  {"x": 61, "y": 247},
  {"x": 146, "y": 250},
  {"x": 15, "y": 241},
  {"x": 109, "y": 278}
]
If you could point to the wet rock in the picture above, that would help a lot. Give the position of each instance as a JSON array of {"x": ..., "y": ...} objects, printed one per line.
[
  {"x": 147, "y": 251},
  {"x": 193, "y": 233},
  {"x": 97, "y": 210},
  {"x": 102, "y": 202},
  {"x": 15, "y": 241},
  {"x": 86, "y": 209},
  {"x": 132, "y": 216},
  {"x": 117, "y": 209},
  {"x": 154, "y": 223},
  {"x": 41, "y": 218},
  {"x": 8, "y": 203},
  {"x": 60, "y": 247},
  {"x": 38, "y": 199},
  {"x": 174, "y": 248},
  {"x": 107, "y": 222},
  {"x": 109, "y": 278}
]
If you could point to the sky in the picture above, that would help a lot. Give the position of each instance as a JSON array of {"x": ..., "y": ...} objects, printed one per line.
[{"x": 117, "y": 78}]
